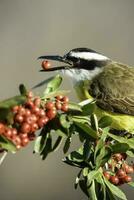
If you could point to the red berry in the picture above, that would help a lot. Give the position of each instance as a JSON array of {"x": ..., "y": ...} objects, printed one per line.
[
  {"x": 35, "y": 110},
  {"x": 51, "y": 114},
  {"x": 42, "y": 121},
  {"x": 14, "y": 131},
  {"x": 15, "y": 109},
  {"x": 117, "y": 157},
  {"x": 37, "y": 101},
  {"x": 46, "y": 64},
  {"x": 19, "y": 118},
  {"x": 34, "y": 127},
  {"x": 65, "y": 99},
  {"x": 30, "y": 94},
  {"x": 58, "y": 105},
  {"x": 125, "y": 166},
  {"x": 23, "y": 135},
  {"x": 27, "y": 112},
  {"x": 59, "y": 97},
  {"x": 16, "y": 139},
  {"x": 30, "y": 119},
  {"x": 127, "y": 179},
  {"x": 29, "y": 104},
  {"x": 25, "y": 141},
  {"x": 25, "y": 128},
  {"x": 2, "y": 128},
  {"x": 129, "y": 170},
  {"x": 8, "y": 133},
  {"x": 65, "y": 107},
  {"x": 21, "y": 110},
  {"x": 49, "y": 105},
  {"x": 18, "y": 146},
  {"x": 42, "y": 113},
  {"x": 106, "y": 174},
  {"x": 114, "y": 180},
  {"x": 121, "y": 173}
]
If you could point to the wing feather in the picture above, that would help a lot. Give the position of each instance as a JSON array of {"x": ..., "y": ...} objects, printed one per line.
[{"x": 113, "y": 89}]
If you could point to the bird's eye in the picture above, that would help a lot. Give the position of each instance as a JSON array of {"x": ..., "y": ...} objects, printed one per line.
[{"x": 75, "y": 60}]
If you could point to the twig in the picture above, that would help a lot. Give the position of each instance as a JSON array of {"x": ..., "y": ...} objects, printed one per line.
[{"x": 3, "y": 157}]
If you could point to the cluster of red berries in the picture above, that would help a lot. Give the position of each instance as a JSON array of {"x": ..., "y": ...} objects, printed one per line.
[
  {"x": 30, "y": 117},
  {"x": 119, "y": 170}
]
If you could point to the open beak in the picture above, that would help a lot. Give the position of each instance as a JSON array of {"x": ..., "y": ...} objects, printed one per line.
[{"x": 57, "y": 58}]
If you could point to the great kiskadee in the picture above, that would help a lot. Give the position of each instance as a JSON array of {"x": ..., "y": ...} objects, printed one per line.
[{"x": 110, "y": 83}]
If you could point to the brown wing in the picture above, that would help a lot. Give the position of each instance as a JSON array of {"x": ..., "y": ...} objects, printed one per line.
[{"x": 113, "y": 89}]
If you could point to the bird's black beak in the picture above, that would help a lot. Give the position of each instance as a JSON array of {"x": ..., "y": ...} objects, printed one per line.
[{"x": 57, "y": 58}]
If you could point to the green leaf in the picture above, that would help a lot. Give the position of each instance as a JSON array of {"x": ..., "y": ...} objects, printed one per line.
[
  {"x": 7, "y": 144},
  {"x": 77, "y": 179},
  {"x": 81, "y": 119},
  {"x": 87, "y": 129},
  {"x": 9, "y": 103},
  {"x": 94, "y": 122},
  {"x": 67, "y": 145},
  {"x": 48, "y": 147},
  {"x": 60, "y": 133},
  {"x": 115, "y": 190},
  {"x": 103, "y": 156},
  {"x": 105, "y": 122},
  {"x": 100, "y": 180},
  {"x": 101, "y": 142},
  {"x": 75, "y": 156},
  {"x": 83, "y": 186},
  {"x": 57, "y": 143},
  {"x": 53, "y": 85},
  {"x": 74, "y": 163},
  {"x": 131, "y": 184},
  {"x": 130, "y": 153},
  {"x": 119, "y": 148},
  {"x": 130, "y": 142},
  {"x": 23, "y": 90},
  {"x": 46, "y": 81},
  {"x": 74, "y": 106},
  {"x": 110, "y": 195},
  {"x": 93, "y": 174},
  {"x": 64, "y": 120},
  {"x": 87, "y": 149},
  {"x": 55, "y": 93},
  {"x": 85, "y": 171},
  {"x": 40, "y": 143},
  {"x": 91, "y": 191},
  {"x": 99, "y": 146},
  {"x": 6, "y": 115},
  {"x": 88, "y": 109},
  {"x": 120, "y": 139}
]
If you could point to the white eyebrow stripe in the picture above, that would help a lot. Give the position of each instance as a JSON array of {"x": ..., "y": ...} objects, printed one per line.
[{"x": 89, "y": 56}]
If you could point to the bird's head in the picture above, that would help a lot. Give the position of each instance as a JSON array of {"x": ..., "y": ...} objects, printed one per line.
[{"x": 79, "y": 60}]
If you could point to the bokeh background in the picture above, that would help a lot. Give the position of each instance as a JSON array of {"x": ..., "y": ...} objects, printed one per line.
[{"x": 30, "y": 28}]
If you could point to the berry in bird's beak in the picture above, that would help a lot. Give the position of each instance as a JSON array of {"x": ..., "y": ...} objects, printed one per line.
[{"x": 46, "y": 65}]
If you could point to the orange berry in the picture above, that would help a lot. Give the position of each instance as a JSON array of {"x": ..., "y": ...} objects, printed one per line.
[
  {"x": 46, "y": 64},
  {"x": 65, "y": 99},
  {"x": 65, "y": 107},
  {"x": 51, "y": 114}
]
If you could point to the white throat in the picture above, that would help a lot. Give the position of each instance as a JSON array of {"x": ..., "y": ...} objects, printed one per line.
[{"x": 78, "y": 75}]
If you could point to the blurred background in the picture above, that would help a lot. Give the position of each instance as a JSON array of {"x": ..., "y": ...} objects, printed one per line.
[{"x": 30, "y": 28}]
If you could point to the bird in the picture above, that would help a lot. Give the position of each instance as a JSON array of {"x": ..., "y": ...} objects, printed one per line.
[{"x": 108, "y": 82}]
